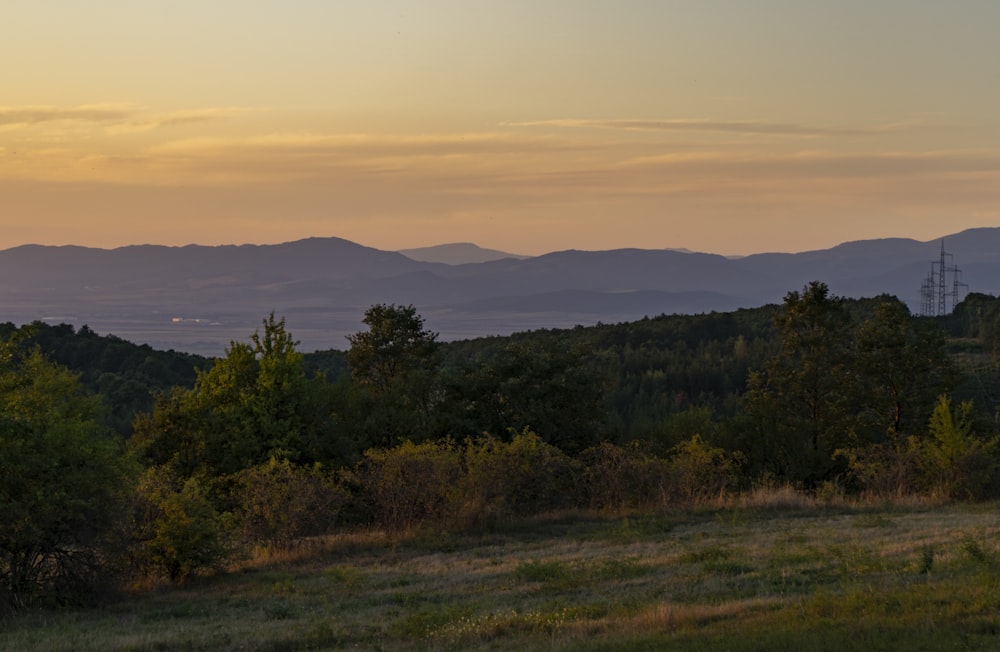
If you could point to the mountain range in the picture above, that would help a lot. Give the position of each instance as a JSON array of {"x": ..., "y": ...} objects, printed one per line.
[{"x": 199, "y": 298}]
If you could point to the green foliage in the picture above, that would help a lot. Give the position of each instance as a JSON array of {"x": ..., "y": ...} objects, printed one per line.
[
  {"x": 245, "y": 439},
  {"x": 857, "y": 378},
  {"x": 254, "y": 403},
  {"x": 700, "y": 471},
  {"x": 395, "y": 363},
  {"x": 621, "y": 382},
  {"x": 178, "y": 530},
  {"x": 801, "y": 400},
  {"x": 554, "y": 390},
  {"x": 395, "y": 345},
  {"x": 958, "y": 464},
  {"x": 902, "y": 366},
  {"x": 63, "y": 485},
  {"x": 126, "y": 376}
]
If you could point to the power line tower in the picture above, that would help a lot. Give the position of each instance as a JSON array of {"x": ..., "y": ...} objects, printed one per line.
[{"x": 936, "y": 291}]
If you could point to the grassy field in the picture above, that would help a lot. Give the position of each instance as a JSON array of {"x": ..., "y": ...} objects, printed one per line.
[{"x": 744, "y": 578}]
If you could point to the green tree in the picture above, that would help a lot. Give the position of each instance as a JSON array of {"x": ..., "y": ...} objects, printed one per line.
[
  {"x": 802, "y": 400},
  {"x": 64, "y": 485},
  {"x": 396, "y": 345},
  {"x": 959, "y": 464},
  {"x": 255, "y": 403},
  {"x": 395, "y": 363},
  {"x": 903, "y": 367},
  {"x": 551, "y": 388}
]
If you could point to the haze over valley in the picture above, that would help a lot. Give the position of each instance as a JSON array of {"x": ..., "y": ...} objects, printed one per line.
[{"x": 199, "y": 298}]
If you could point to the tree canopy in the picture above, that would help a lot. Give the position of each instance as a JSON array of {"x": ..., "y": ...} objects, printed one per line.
[{"x": 64, "y": 484}]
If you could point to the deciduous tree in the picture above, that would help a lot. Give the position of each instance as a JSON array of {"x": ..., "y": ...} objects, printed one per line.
[
  {"x": 395, "y": 363},
  {"x": 63, "y": 485}
]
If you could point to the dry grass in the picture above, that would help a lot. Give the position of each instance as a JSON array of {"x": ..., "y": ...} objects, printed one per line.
[{"x": 777, "y": 571}]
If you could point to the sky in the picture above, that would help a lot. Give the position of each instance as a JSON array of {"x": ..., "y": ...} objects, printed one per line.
[{"x": 726, "y": 126}]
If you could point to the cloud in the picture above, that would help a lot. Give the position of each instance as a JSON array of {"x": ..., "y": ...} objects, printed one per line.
[
  {"x": 365, "y": 144},
  {"x": 283, "y": 156},
  {"x": 805, "y": 164},
  {"x": 177, "y": 118},
  {"x": 35, "y": 115},
  {"x": 115, "y": 118},
  {"x": 734, "y": 127},
  {"x": 520, "y": 170}
]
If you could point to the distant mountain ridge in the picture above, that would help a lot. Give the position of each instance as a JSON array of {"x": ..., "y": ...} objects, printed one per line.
[
  {"x": 457, "y": 253},
  {"x": 198, "y": 298}
]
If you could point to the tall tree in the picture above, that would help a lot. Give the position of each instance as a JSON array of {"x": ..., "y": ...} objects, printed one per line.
[
  {"x": 903, "y": 366},
  {"x": 395, "y": 363},
  {"x": 802, "y": 399},
  {"x": 395, "y": 346}
]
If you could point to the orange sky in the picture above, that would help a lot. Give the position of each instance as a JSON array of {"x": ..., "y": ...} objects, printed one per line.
[{"x": 723, "y": 126}]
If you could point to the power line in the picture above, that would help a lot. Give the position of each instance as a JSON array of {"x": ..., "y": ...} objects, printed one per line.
[{"x": 936, "y": 291}]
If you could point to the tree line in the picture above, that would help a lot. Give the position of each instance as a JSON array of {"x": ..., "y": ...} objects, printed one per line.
[{"x": 266, "y": 445}]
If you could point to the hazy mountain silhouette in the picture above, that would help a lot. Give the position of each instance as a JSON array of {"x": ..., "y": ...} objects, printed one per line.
[
  {"x": 199, "y": 298},
  {"x": 457, "y": 253}
]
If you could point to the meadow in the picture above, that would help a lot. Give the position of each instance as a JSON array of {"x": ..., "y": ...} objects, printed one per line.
[{"x": 774, "y": 572}]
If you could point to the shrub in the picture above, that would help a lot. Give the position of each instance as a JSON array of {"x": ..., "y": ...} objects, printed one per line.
[
  {"x": 278, "y": 502},
  {"x": 178, "y": 530},
  {"x": 410, "y": 484},
  {"x": 522, "y": 477},
  {"x": 621, "y": 478},
  {"x": 699, "y": 471},
  {"x": 956, "y": 462},
  {"x": 887, "y": 470}
]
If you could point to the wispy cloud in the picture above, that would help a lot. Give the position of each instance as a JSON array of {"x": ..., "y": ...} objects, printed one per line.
[
  {"x": 35, "y": 115},
  {"x": 176, "y": 118},
  {"x": 733, "y": 127},
  {"x": 818, "y": 164},
  {"x": 283, "y": 156},
  {"x": 365, "y": 144},
  {"x": 114, "y": 118}
]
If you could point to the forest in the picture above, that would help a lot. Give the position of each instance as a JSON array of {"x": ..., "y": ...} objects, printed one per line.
[{"x": 119, "y": 462}]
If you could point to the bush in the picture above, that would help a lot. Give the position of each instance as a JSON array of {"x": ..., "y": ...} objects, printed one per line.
[
  {"x": 699, "y": 471},
  {"x": 957, "y": 464},
  {"x": 278, "y": 503},
  {"x": 622, "y": 478},
  {"x": 522, "y": 477},
  {"x": 411, "y": 484},
  {"x": 888, "y": 470},
  {"x": 178, "y": 529}
]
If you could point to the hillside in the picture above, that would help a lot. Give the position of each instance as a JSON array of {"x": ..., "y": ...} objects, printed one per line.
[{"x": 771, "y": 576}]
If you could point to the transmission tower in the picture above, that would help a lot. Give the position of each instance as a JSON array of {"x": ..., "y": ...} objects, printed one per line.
[{"x": 935, "y": 291}]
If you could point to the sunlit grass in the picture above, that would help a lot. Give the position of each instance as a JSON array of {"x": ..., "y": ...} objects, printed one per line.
[{"x": 782, "y": 573}]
